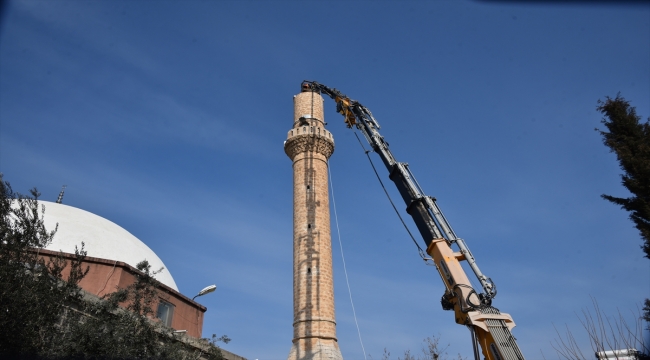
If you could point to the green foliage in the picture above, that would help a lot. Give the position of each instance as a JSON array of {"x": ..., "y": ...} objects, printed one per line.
[
  {"x": 104, "y": 330},
  {"x": 44, "y": 315},
  {"x": 630, "y": 140},
  {"x": 32, "y": 295}
]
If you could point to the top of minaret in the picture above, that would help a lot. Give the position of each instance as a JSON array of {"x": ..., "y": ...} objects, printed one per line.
[
  {"x": 308, "y": 132},
  {"x": 308, "y": 109}
]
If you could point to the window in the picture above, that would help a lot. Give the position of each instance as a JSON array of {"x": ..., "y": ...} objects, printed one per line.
[{"x": 165, "y": 313}]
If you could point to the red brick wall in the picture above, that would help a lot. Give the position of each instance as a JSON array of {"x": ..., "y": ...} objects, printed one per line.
[{"x": 106, "y": 276}]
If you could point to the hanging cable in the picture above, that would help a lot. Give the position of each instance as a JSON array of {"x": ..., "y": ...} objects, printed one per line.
[
  {"x": 338, "y": 232},
  {"x": 422, "y": 253}
]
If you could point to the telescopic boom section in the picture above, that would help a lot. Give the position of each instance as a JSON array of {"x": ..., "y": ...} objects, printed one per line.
[{"x": 490, "y": 329}]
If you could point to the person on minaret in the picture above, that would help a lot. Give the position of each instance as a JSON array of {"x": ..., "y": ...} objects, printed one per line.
[{"x": 309, "y": 145}]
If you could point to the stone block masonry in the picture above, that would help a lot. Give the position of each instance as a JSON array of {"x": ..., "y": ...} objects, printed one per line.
[{"x": 309, "y": 145}]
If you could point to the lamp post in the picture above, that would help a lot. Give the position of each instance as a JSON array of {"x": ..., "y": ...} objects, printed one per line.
[{"x": 206, "y": 290}]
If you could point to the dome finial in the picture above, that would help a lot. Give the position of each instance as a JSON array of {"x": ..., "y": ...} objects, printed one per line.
[{"x": 60, "y": 199}]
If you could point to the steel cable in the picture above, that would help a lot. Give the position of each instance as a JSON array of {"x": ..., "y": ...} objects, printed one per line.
[
  {"x": 422, "y": 253},
  {"x": 338, "y": 231}
]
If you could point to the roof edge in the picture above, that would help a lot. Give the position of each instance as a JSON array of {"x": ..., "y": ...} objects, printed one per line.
[{"x": 123, "y": 265}]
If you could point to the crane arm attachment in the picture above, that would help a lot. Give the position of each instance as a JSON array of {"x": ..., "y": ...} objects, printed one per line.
[{"x": 490, "y": 328}]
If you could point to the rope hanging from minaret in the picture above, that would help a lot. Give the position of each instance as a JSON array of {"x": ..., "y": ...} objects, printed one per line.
[{"x": 338, "y": 231}]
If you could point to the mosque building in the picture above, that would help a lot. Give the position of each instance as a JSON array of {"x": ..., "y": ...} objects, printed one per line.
[{"x": 112, "y": 256}]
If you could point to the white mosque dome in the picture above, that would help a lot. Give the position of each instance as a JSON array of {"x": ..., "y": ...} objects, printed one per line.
[{"x": 102, "y": 238}]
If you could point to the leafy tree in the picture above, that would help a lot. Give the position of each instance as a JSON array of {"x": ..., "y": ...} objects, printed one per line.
[
  {"x": 101, "y": 327},
  {"x": 630, "y": 140},
  {"x": 32, "y": 293},
  {"x": 104, "y": 330}
]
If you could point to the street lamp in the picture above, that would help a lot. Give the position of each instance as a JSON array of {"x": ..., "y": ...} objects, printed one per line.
[{"x": 206, "y": 290}]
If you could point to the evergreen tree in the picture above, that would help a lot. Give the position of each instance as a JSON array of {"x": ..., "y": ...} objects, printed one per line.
[{"x": 630, "y": 140}]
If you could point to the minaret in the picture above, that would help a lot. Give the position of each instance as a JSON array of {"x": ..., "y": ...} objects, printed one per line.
[{"x": 309, "y": 146}]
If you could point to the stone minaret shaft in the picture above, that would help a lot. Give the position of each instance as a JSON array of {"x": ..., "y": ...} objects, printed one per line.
[{"x": 309, "y": 146}]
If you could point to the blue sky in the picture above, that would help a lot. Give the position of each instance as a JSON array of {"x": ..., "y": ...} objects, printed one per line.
[{"x": 168, "y": 118}]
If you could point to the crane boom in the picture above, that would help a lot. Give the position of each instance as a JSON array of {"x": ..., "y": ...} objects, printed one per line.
[{"x": 490, "y": 329}]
